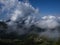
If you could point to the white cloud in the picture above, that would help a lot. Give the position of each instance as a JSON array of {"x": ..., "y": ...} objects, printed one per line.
[
  {"x": 51, "y": 25},
  {"x": 7, "y": 7},
  {"x": 48, "y": 22},
  {"x": 49, "y": 17},
  {"x": 17, "y": 12}
]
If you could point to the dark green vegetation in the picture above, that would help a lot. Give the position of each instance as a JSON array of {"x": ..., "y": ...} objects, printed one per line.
[
  {"x": 28, "y": 39},
  {"x": 31, "y": 39}
]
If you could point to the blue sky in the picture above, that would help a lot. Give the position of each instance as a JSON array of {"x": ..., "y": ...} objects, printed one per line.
[{"x": 47, "y": 7}]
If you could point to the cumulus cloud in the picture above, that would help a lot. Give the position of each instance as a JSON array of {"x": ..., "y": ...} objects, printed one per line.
[
  {"x": 7, "y": 7},
  {"x": 22, "y": 15},
  {"x": 51, "y": 26},
  {"x": 48, "y": 22}
]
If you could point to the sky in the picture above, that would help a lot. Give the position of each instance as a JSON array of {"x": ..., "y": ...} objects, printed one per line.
[{"x": 47, "y": 7}]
